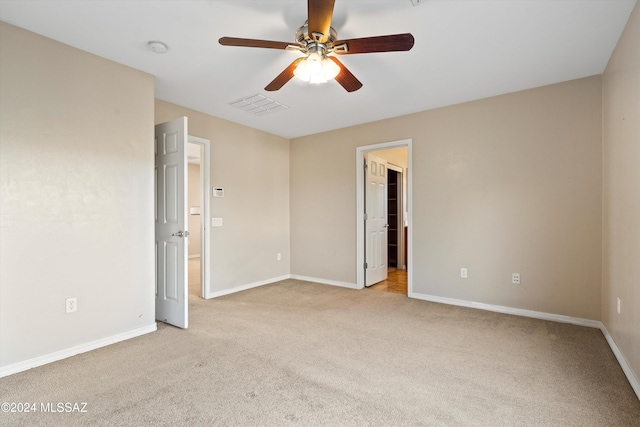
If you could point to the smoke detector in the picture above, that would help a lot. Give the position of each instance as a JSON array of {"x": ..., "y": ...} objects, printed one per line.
[{"x": 157, "y": 47}]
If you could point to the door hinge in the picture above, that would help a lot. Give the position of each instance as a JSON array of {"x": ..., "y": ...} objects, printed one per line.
[
  {"x": 365, "y": 165},
  {"x": 366, "y": 217},
  {"x": 366, "y": 265}
]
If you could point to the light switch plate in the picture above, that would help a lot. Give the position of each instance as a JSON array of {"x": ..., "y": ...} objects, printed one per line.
[{"x": 216, "y": 222}]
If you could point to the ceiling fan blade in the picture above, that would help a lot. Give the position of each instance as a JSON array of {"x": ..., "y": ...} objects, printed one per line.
[
  {"x": 283, "y": 77},
  {"x": 320, "y": 13},
  {"x": 268, "y": 44},
  {"x": 392, "y": 43},
  {"x": 346, "y": 79}
]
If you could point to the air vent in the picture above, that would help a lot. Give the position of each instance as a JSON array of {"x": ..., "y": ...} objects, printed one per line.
[{"x": 258, "y": 104}]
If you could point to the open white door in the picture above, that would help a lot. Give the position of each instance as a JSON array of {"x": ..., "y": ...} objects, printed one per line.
[
  {"x": 171, "y": 222},
  {"x": 376, "y": 226}
]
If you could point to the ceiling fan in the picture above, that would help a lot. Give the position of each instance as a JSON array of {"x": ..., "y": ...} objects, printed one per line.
[{"x": 316, "y": 40}]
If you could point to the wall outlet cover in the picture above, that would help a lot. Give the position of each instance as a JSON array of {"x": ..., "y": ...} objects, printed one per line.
[{"x": 71, "y": 305}]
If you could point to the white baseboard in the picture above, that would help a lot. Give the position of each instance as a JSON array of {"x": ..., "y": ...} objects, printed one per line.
[
  {"x": 510, "y": 310},
  {"x": 277, "y": 279},
  {"x": 240, "y": 288},
  {"x": 633, "y": 380},
  {"x": 325, "y": 281},
  {"x": 72, "y": 351}
]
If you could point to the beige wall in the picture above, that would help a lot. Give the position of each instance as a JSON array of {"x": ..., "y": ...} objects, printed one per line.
[
  {"x": 76, "y": 182},
  {"x": 621, "y": 187},
  {"x": 253, "y": 168},
  {"x": 193, "y": 176},
  {"x": 501, "y": 185}
]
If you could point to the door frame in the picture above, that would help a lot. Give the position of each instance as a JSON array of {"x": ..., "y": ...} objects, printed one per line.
[
  {"x": 360, "y": 205},
  {"x": 205, "y": 232}
]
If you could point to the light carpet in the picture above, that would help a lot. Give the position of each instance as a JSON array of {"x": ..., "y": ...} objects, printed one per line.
[{"x": 299, "y": 353}]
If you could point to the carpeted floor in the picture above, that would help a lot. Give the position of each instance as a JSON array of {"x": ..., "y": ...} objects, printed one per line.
[{"x": 299, "y": 353}]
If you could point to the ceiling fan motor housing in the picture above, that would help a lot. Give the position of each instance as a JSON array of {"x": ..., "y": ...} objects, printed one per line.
[{"x": 312, "y": 43}]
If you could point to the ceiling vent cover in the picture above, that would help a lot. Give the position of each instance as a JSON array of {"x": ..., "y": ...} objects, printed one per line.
[{"x": 259, "y": 105}]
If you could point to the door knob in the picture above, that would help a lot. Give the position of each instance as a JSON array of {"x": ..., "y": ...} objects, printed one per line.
[{"x": 181, "y": 234}]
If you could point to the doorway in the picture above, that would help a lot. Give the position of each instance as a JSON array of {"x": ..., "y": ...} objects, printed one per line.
[
  {"x": 198, "y": 175},
  {"x": 401, "y": 253},
  {"x": 171, "y": 207}
]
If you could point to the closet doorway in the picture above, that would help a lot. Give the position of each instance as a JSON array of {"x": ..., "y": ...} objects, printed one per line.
[{"x": 396, "y": 158}]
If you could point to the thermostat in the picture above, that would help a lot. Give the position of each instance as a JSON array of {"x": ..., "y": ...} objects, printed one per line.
[{"x": 218, "y": 192}]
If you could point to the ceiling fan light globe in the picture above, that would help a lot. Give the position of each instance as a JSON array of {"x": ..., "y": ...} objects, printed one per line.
[
  {"x": 302, "y": 71},
  {"x": 314, "y": 64},
  {"x": 316, "y": 68},
  {"x": 330, "y": 69},
  {"x": 318, "y": 78}
]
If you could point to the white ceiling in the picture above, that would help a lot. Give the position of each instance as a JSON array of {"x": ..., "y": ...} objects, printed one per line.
[{"x": 464, "y": 50}]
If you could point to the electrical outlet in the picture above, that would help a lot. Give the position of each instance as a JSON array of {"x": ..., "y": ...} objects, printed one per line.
[
  {"x": 463, "y": 273},
  {"x": 71, "y": 305},
  {"x": 279, "y": 256},
  {"x": 618, "y": 305},
  {"x": 515, "y": 278}
]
